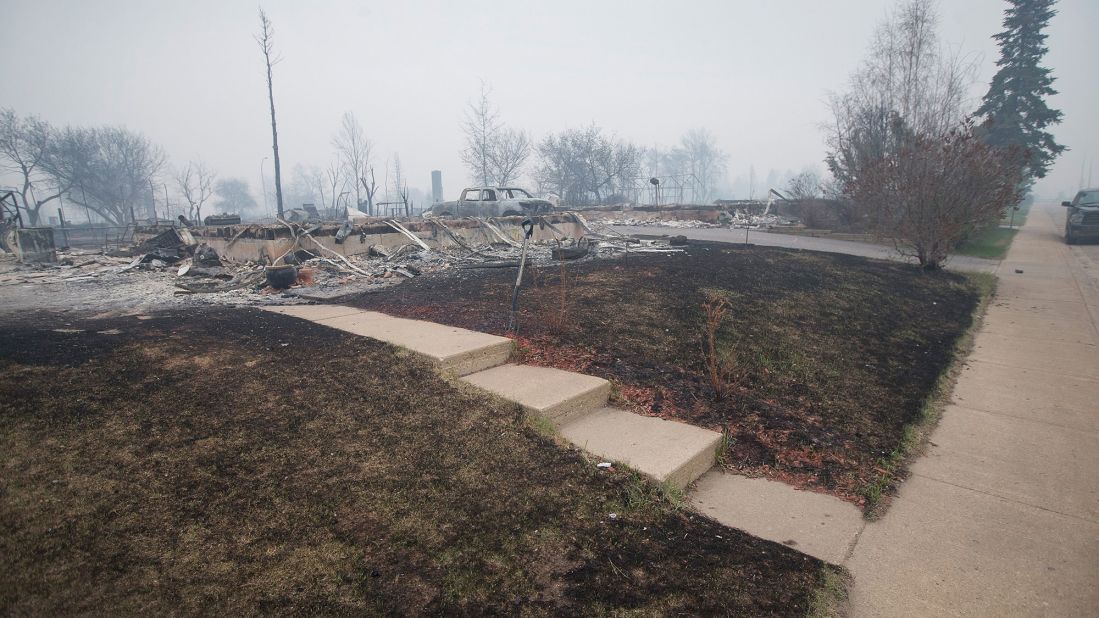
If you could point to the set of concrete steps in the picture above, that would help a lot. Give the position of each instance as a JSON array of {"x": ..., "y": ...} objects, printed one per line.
[
  {"x": 576, "y": 404},
  {"x": 668, "y": 452}
]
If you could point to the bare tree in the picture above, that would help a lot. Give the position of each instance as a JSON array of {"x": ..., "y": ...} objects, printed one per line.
[
  {"x": 908, "y": 86},
  {"x": 510, "y": 151},
  {"x": 303, "y": 187},
  {"x": 935, "y": 191},
  {"x": 107, "y": 170},
  {"x": 400, "y": 184},
  {"x": 583, "y": 166},
  {"x": 702, "y": 162},
  {"x": 354, "y": 151},
  {"x": 233, "y": 195},
  {"x": 481, "y": 126},
  {"x": 494, "y": 154},
  {"x": 371, "y": 189},
  {"x": 335, "y": 182},
  {"x": 196, "y": 185},
  {"x": 804, "y": 186},
  {"x": 267, "y": 44},
  {"x": 25, "y": 145}
]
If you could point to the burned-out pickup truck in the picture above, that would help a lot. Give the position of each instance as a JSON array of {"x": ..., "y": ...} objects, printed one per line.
[{"x": 493, "y": 202}]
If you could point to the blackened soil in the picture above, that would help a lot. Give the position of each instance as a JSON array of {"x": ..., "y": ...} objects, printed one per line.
[
  {"x": 834, "y": 355},
  {"x": 231, "y": 461}
]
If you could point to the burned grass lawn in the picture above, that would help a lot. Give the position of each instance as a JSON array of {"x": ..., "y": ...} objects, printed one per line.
[
  {"x": 231, "y": 461},
  {"x": 826, "y": 358}
]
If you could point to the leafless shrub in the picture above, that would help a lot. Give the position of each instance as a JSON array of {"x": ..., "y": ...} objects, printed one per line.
[
  {"x": 720, "y": 368},
  {"x": 933, "y": 192}
]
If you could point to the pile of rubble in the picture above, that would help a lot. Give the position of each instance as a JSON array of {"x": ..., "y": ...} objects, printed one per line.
[
  {"x": 741, "y": 219},
  {"x": 171, "y": 268},
  {"x": 727, "y": 219},
  {"x": 673, "y": 223}
]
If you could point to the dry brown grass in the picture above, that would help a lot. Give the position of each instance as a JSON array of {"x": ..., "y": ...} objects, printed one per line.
[{"x": 237, "y": 462}]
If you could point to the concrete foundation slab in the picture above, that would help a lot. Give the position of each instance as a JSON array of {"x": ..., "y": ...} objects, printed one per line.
[
  {"x": 559, "y": 396},
  {"x": 665, "y": 451},
  {"x": 815, "y": 524}
]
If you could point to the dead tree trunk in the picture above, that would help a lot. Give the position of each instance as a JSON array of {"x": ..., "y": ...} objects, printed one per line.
[{"x": 266, "y": 43}]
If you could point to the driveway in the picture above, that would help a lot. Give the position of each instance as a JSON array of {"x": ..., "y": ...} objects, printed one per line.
[
  {"x": 808, "y": 243},
  {"x": 1000, "y": 517}
]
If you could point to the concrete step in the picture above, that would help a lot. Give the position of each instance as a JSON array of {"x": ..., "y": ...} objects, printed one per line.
[
  {"x": 666, "y": 451},
  {"x": 559, "y": 396},
  {"x": 456, "y": 351}
]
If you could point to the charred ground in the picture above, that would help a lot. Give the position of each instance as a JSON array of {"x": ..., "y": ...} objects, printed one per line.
[
  {"x": 835, "y": 355},
  {"x": 235, "y": 461}
]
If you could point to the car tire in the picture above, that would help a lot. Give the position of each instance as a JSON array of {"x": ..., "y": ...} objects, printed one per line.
[{"x": 1070, "y": 238}]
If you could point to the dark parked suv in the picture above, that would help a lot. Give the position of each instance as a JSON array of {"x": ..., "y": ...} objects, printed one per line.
[{"x": 1083, "y": 216}]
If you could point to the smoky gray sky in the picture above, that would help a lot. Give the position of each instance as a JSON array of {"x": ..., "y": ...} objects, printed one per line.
[{"x": 189, "y": 74}]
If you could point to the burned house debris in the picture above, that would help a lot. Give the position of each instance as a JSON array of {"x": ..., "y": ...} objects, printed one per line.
[{"x": 290, "y": 261}]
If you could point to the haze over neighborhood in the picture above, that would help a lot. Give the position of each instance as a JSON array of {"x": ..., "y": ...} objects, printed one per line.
[{"x": 757, "y": 75}]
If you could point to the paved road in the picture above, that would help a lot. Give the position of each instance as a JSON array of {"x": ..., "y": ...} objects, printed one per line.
[
  {"x": 1001, "y": 515},
  {"x": 802, "y": 242}
]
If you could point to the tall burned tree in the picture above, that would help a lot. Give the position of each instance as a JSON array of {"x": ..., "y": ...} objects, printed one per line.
[
  {"x": 267, "y": 44},
  {"x": 1014, "y": 111}
]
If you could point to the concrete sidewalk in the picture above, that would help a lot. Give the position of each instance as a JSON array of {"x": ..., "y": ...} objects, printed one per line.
[{"x": 1001, "y": 516}]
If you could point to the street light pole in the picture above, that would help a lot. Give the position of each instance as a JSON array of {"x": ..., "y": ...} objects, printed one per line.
[{"x": 263, "y": 187}]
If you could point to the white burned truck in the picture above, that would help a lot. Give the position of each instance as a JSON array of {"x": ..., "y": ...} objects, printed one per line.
[{"x": 493, "y": 202}]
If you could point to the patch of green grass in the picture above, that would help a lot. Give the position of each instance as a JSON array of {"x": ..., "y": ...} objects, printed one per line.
[
  {"x": 542, "y": 425},
  {"x": 991, "y": 244},
  {"x": 994, "y": 242},
  {"x": 831, "y": 598}
]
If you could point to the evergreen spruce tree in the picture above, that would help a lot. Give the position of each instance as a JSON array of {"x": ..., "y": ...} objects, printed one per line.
[{"x": 1014, "y": 111}]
